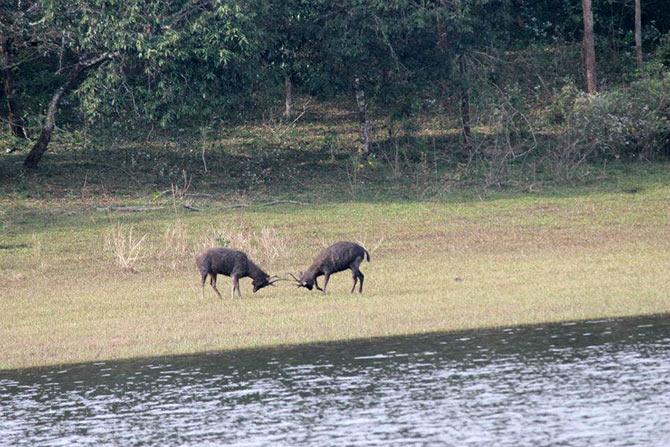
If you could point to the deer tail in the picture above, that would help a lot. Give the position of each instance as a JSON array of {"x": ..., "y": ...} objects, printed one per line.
[{"x": 367, "y": 254}]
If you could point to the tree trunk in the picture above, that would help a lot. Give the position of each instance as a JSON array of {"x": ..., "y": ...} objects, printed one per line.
[
  {"x": 442, "y": 46},
  {"x": 13, "y": 116},
  {"x": 363, "y": 119},
  {"x": 464, "y": 87},
  {"x": 465, "y": 99},
  {"x": 288, "y": 100},
  {"x": 589, "y": 47},
  {"x": 38, "y": 150},
  {"x": 638, "y": 33}
]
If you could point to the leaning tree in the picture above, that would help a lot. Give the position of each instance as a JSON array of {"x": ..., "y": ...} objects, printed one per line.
[{"x": 98, "y": 45}]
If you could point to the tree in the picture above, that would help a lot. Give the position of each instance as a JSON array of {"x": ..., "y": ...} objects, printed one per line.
[
  {"x": 12, "y": 18},
  {"x": 350, "y": 55},
  {"x": 638, "y": 33},
  {"x": 374, "y": 49},
  {"x": 181, "y": 43},
  {"x": 80, "y": 36},
  {"x": 589, "y": 48},
  {"x": 443, "y": 14},
  {"x": 76, "y": 72},
  {"x": 13, "y": 116},
  {"x": 288, "y": 28}
]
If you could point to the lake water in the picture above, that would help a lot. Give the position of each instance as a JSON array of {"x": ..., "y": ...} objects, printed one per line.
[{"x": 594, "y": 383}]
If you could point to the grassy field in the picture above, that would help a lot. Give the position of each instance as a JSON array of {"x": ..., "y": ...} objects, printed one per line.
[
  {"x": 438, "y": 264},
  {"x": 454, "y": 244}
]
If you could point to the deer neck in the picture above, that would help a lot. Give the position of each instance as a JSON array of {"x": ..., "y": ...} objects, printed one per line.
[
  {"x": 255, "y": 272},
  {"x": 312, "y": 273}
]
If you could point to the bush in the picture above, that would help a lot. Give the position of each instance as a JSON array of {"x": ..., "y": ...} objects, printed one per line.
[
  {"x": 626, "y": 122},
  {"x": 562, "y": 105}
]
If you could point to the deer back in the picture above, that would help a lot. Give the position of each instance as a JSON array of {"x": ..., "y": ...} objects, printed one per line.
[
  {"x": 223, "y": 261},
  {"x": 338, "y": 257}
]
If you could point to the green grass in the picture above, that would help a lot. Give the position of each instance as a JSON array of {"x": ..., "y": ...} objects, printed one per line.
[{"x": 438, "y": 265}]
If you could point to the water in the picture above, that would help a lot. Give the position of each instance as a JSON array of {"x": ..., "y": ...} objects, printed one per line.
[{"x": 586, "y": 384}]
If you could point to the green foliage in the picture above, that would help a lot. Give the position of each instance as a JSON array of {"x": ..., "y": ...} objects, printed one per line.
[
  {"x": 185, "y": 63},
  {"x": 221, "y": 240},
  {"x": 172, "y": 59},
  {"x": 564, "y": 102},
  {"x": 627, "y": 122},
  {"x": 662, "y": 53},
  {"x": 177, "y": 60}
]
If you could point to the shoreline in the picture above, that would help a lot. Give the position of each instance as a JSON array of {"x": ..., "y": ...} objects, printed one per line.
[{"x": 328, "y": 345}]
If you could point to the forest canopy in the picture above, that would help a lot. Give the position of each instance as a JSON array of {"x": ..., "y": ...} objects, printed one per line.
[{"x": 513, "y": 66}]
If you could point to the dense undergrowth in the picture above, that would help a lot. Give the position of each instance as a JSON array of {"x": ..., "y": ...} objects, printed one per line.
[{"x": 316, "y": 156}]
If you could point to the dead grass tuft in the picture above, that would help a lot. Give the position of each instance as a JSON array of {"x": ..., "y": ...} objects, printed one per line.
[
  {"x": 37, "y": 253},
  {"x": 266, "y": 246},
  {"x": 272, "y": 246},
  {"x": 176, "y": 249},
  {"x": 126, "y": 248},
  {"x": 370, "y": 245}
]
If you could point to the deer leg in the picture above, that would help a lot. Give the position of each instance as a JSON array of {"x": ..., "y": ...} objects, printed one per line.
[
  {"x": 325, "y": 282},
  {"x": 233, "y": 286},
  {"x": 237, "y": 284},
  {"x": 203, "y": 279},
  {"x": 361, "y": 276},
  {"x": 355, "y": 276},
  {"x": 357, "y": 273},
  {"x": 212, "y": 282}
]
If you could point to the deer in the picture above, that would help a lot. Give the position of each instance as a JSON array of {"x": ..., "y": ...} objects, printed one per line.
[
  {"x": 233, "y": 263},
  {"x": 338, "y": 257}
]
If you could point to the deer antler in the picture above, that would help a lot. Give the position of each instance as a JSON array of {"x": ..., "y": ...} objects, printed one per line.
[
  {"x": 273, "y": 279},
  {"x": 298, "y": 282}
]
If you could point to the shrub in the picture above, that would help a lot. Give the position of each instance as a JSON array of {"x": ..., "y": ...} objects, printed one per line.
[
  {"x": 563, "y": 103},
  {"x": 126, "y": 248},
  {"x": 626, "y": 122}
]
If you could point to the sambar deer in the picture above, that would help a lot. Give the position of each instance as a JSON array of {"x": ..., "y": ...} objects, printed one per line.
[
  {"x": 338, "y": 257},
  {"x": 233, "y": 263}
]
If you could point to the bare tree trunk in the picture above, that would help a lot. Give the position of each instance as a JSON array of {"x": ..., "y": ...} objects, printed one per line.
[
  {"x": 14, "y": 118},
  {"x": 589, "y": 48},
  {"x": 442, "y": 46},
  {"x": 288, "y": 100},
  {"x": 363, "y": 118},
  {"x": 464, "y": 87},
  {"x": 638, "y": 33},
  {"x": 465, "y": 99},
  {"x": 38, "y": 150}
]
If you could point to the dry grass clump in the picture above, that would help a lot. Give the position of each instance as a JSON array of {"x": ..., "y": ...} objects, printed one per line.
[
  {"x": 37, "y": 252},
  {"x": 125, "y": 247},
  {"x": 236, "y": 236},
  {"x": 176, "y": 248},
  {"x": 271, "y": 247},
  {"x": 266, "y": 246},
  {"x": 370, "y": 244}
]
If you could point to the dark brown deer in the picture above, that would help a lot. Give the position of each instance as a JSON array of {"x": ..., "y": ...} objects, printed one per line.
[
  {"x": 338, "y": 257},
  {"x": 233, "y": 263}
]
